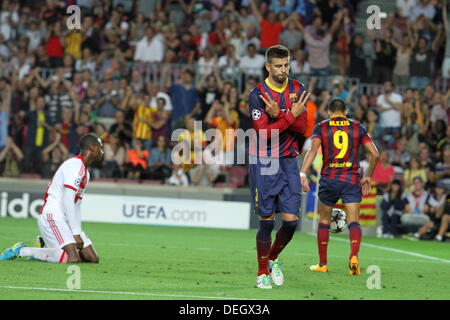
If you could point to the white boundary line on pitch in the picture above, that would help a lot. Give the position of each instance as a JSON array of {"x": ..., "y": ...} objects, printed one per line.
[
  {"x": 125, "y": 293},
  {"x": 410, "y": 253}
]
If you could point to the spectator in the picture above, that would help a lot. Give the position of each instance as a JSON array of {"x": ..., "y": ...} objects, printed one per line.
[
  {"x": 291, "y": 37},
  {"x": 400, "y": 156},
  {"x": 389, "y": 105},
  {"x": 184, "y": 98},
  {"x": 178, "y": 177},
  {"x": 86, "y": 62},
  {"x": 439, "y": 220},
  {"x": 136, "y": 160},
  {"x": 114, "y": 157},
  {"x": 439, "y": 110},
  {"x": 373, "y": 126},
  {"x": 401, "y": 70},
  {"x": 68, "y": 130},
  {"x": 270, "y": 28},
  {"x": 207, "y": 62},
  {"x": 160, "y": 122},
  {"x": 155, "y": 94},
  {"x": 278, "y": 6},
  {"x": 421, "y": 60},
  {"x": 383, "y": 173},
  {"x": 5, "y": 109},
  {"x": 252, "y": 63},
  {"x": 342, "y": 44},
  {"x": 251, "y": 38},
  {"x": 415, "y": 215},
  {"x": 228, "y": 63},
  {"x": 319, "y": 47},
  {"x": 392, "y": 207},
  {"x": 446, "y": 62},
  {"x": 12, "y": 157},
  {"x": 53, "y": 156},
  {"x": 358, "y": 58},
  {"x": 224, "y": 117},
  {"x": 37, "y": 136},
  {"x": 207, "y": 95},
  {"x": 405, "y": 7},
  {"x": 54, "y": 47},
  {"x": 149, "y": 48},
  {"x": 385, "y": 58},
  {"x": 108, "y": 101},
  {"x": 423, "y": 8},
  {"x": 299, "y": 65},
  {"x": 143, "y": 119},
  {"x": 414, "y": 169},
  {"x": 443, "y": 168},
  {"x": 159, "y": 162},
  {"x": 121, "y": 128}
]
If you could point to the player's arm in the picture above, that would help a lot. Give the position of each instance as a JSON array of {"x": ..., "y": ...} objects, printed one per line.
[
  {"x": 373, "y": 160},
  {"x": 73, "y": 216},
  {"x": 261, "y": 119},
  {"x": 256, "y": 11},
  {"x": 309, "y": 158},
  {"x": 300, "y": 124}
]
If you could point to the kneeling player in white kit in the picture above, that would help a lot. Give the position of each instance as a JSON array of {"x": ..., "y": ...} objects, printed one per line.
[{"x": 59, "y": 219}]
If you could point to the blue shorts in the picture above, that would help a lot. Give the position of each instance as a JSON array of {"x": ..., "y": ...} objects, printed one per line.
[
  {"x": 330, "y": 191},
  {"x": 275, "y": 186}
]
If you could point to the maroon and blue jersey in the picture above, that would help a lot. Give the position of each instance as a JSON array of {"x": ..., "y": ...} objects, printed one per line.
[
  {"x": 340, "y": 140},
  {"x": 264, "y": 142}
]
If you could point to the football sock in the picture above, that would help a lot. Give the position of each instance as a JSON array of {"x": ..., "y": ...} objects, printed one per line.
[
  {"x": 355, "y": 238},
  {"x": 45, "y": 254},
  {"x": 284, "y": 235},
  {"x": 263, "y": 242},
  {"x": 323, "y": 236}
]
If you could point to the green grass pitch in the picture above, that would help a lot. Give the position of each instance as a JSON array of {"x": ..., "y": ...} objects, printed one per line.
[{"x": 156, "y": 262}]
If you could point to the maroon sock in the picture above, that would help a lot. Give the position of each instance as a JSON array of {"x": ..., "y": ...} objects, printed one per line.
[
  {"x": 263, "y": 248},
  {"x": 263, "y": 243},
  {"x": 284, "y": 235},
  {"x": 355, "y": 238},
  {"x": 323, "y": 235}
]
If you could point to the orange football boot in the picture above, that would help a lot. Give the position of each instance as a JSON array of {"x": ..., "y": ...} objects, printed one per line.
[
  {"x": 354, "y": 266},
  {"x": 319, "y": 268}
]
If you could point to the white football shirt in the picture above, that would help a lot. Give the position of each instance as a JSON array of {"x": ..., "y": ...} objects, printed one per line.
[{"x": 71, "y": 174}]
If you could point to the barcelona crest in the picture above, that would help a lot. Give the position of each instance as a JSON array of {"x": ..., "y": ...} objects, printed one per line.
[{"x": 293, "y": 97}]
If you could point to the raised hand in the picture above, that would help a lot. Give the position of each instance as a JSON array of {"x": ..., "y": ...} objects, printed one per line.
[
  {"x": 299, "y": 107},
  {"x": 271, "y": 106}
]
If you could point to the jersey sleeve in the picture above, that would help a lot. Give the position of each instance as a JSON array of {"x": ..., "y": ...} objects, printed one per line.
[
  {"x": 72, "y": 211},
  {"x": 72, "y": 174},
  {"x": 364, "y": 135},
  {"x": 261, "y": 120},
  {"x": 317, "y": 132}
]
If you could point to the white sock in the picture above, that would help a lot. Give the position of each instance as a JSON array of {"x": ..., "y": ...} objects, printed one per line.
[
  {"x": 45, "y": 254},
  {"x": 438, "y": 237},
  {"x": 416, "y": 235}
]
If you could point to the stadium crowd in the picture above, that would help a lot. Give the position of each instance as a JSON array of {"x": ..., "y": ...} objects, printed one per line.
[{"x": 138, "y": 70}]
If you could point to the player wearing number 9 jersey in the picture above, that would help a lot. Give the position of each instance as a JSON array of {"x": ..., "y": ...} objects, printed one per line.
[{"x": 340, "y": 139}]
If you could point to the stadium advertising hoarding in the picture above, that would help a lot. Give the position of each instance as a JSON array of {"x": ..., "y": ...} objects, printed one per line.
[
  {"x": 139, "y": 210},
  {"x": 166, "y": 211}
]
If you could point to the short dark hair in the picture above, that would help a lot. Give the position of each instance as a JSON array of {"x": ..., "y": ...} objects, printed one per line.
[
  {"x": 337, "y": 105},
  {"x": 277, "y": 51},
  {"x": 87, "y": 140}
]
